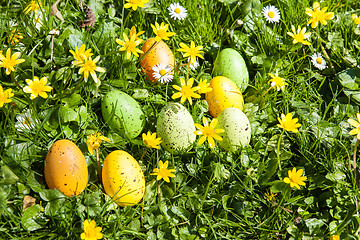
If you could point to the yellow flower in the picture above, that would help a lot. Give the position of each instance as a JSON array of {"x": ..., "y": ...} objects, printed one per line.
[
  {"x": 270, "y": 195},
  {"x": 134, "y": 4},
  {"x": 9, "y": 61},
  {"x": 161, "y": 31},
  {"x": 37, "y": 87},
  {"x": 288, "y": 123},
  {"x": 150, "y": 140},
  {"x": 318, "y": 15},
  {"x": 5, "y": 96},
  {"x": 204, "y": 86},
  {"x": 335, "y": 237},
  {"x": 14, "y": 37},
  {"x": 356, "y": 21},
  {"x": 80, "y": 54},
  {"x": 300, "y": 35},
  {"x": 186, "y": 91},
  {"x": 129, "y": 45},
  {"x": 89, "y": 66},
  {"x": 33, "y": 6},
  {"x": 94, "y": 140},
  {"x": 163, "y": 172},
  {"x": 277, "y": 82},
  {"x": 209, "y": 132},
  {"x": 356, "y": 125},
  {"x": 295, "y": 178},
  {"x": 133, "y": 32},
  {"x": 191, "y": 51},
  {"x": 90, "y": 231}
]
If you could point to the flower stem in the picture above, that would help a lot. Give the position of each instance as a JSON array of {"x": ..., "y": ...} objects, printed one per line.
[
  {"x": 142, "y": 156},
  {"x": 278, "y": 149},
  {"x": 354, "y": 160},
  {"x": 13, "y": 78},
  {"x": 98, "y": 164},
  {"x": 159, "y": 191}
]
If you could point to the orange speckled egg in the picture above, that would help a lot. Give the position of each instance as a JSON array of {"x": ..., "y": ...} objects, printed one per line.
[
  {"x": 66, "y": 168},
  {"x": 123, "y": 178},
  {"x": 161, "y": 53},
  {"x": 225, "y": 94}
]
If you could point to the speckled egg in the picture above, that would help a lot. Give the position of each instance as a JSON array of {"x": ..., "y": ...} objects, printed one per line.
[
  {"x": 66, "y": 168},
  {"x": 123, "y": 178},
  {"x": 225, "y": 94},
  {"x": 175, "y": 126},
  {"x": 229, "y": 63},
  {"x": 161, "y": 53},
  {"x": 237, "y": 129},
  {"x": 123, "y": 114}
]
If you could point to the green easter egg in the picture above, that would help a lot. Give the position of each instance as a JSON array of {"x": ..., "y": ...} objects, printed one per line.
[
  {"x": 175, "y": 126},
  {"x": 237, "y": 129},
  {"x": 229, "y": 63},
  {"x": 123, "y": 114}
]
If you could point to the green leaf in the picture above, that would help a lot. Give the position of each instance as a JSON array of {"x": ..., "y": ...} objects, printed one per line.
[
  {"x": 314, "y": 225},
  {"x": 72, "y": 100},
  {"x": 350, "y": 78},
  {"x": 7, "y": 176},
  {"x": 31, "y": 220},
  {"x": 68, "y": 115},
  {"x": 50, "y": 194}
]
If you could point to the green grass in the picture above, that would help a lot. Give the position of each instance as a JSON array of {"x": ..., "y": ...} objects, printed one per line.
[{"x": 215, "y": 194}]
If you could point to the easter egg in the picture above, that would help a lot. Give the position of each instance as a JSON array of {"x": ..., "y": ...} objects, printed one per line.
[
  {"x": 65, "y": 168},
  {"x": 225, "y": 94},
  {"x": 123, "y": 178},
  {"x": 123, "y": 114},
  {"x": 175, "y": 126},
  {"x": 160, "y": 53},
  {"x": 229, "y": 63},
  {"x": 237, "y": 129}
]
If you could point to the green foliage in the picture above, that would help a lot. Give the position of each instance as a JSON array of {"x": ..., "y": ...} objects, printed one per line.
[{"x": 215, "y": 194}]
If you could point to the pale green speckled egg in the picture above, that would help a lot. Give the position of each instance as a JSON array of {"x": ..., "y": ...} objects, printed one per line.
[
  {"x": 229, "y": 63},
  {"x": 175, "y": 126},
  {"x": 123, "y": 114},
  {"x": 237, "y": 129}
]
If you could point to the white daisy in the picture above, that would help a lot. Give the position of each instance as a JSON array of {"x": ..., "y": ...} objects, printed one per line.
[
  {"x": 54, "y": 32},
  {"x": 271, "y": 14},
  {"x": 25, "y": 122},
  {"x": 177, "y": 12},
  {"x": 195, "y": 65},
  {"x": 162, "y": 73},
  {"x": 318, "y": 61}
]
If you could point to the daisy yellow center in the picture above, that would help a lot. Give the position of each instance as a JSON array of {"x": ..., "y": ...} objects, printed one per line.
[
  {"x": 162, "y": 72},
  {"x": 271, "y": 14},
  {"x": 319, "y": 60},
  {"x": 27, "y": 121},
  {"x": 177, "y": 10}
]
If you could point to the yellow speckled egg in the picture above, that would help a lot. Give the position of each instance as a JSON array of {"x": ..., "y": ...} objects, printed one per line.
[
  {"x": 225, "y": 94},
  {"x": 123, "y": 178},
  {"x": 161, "y": 53},
  {"x": 66, "y": 168}
]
